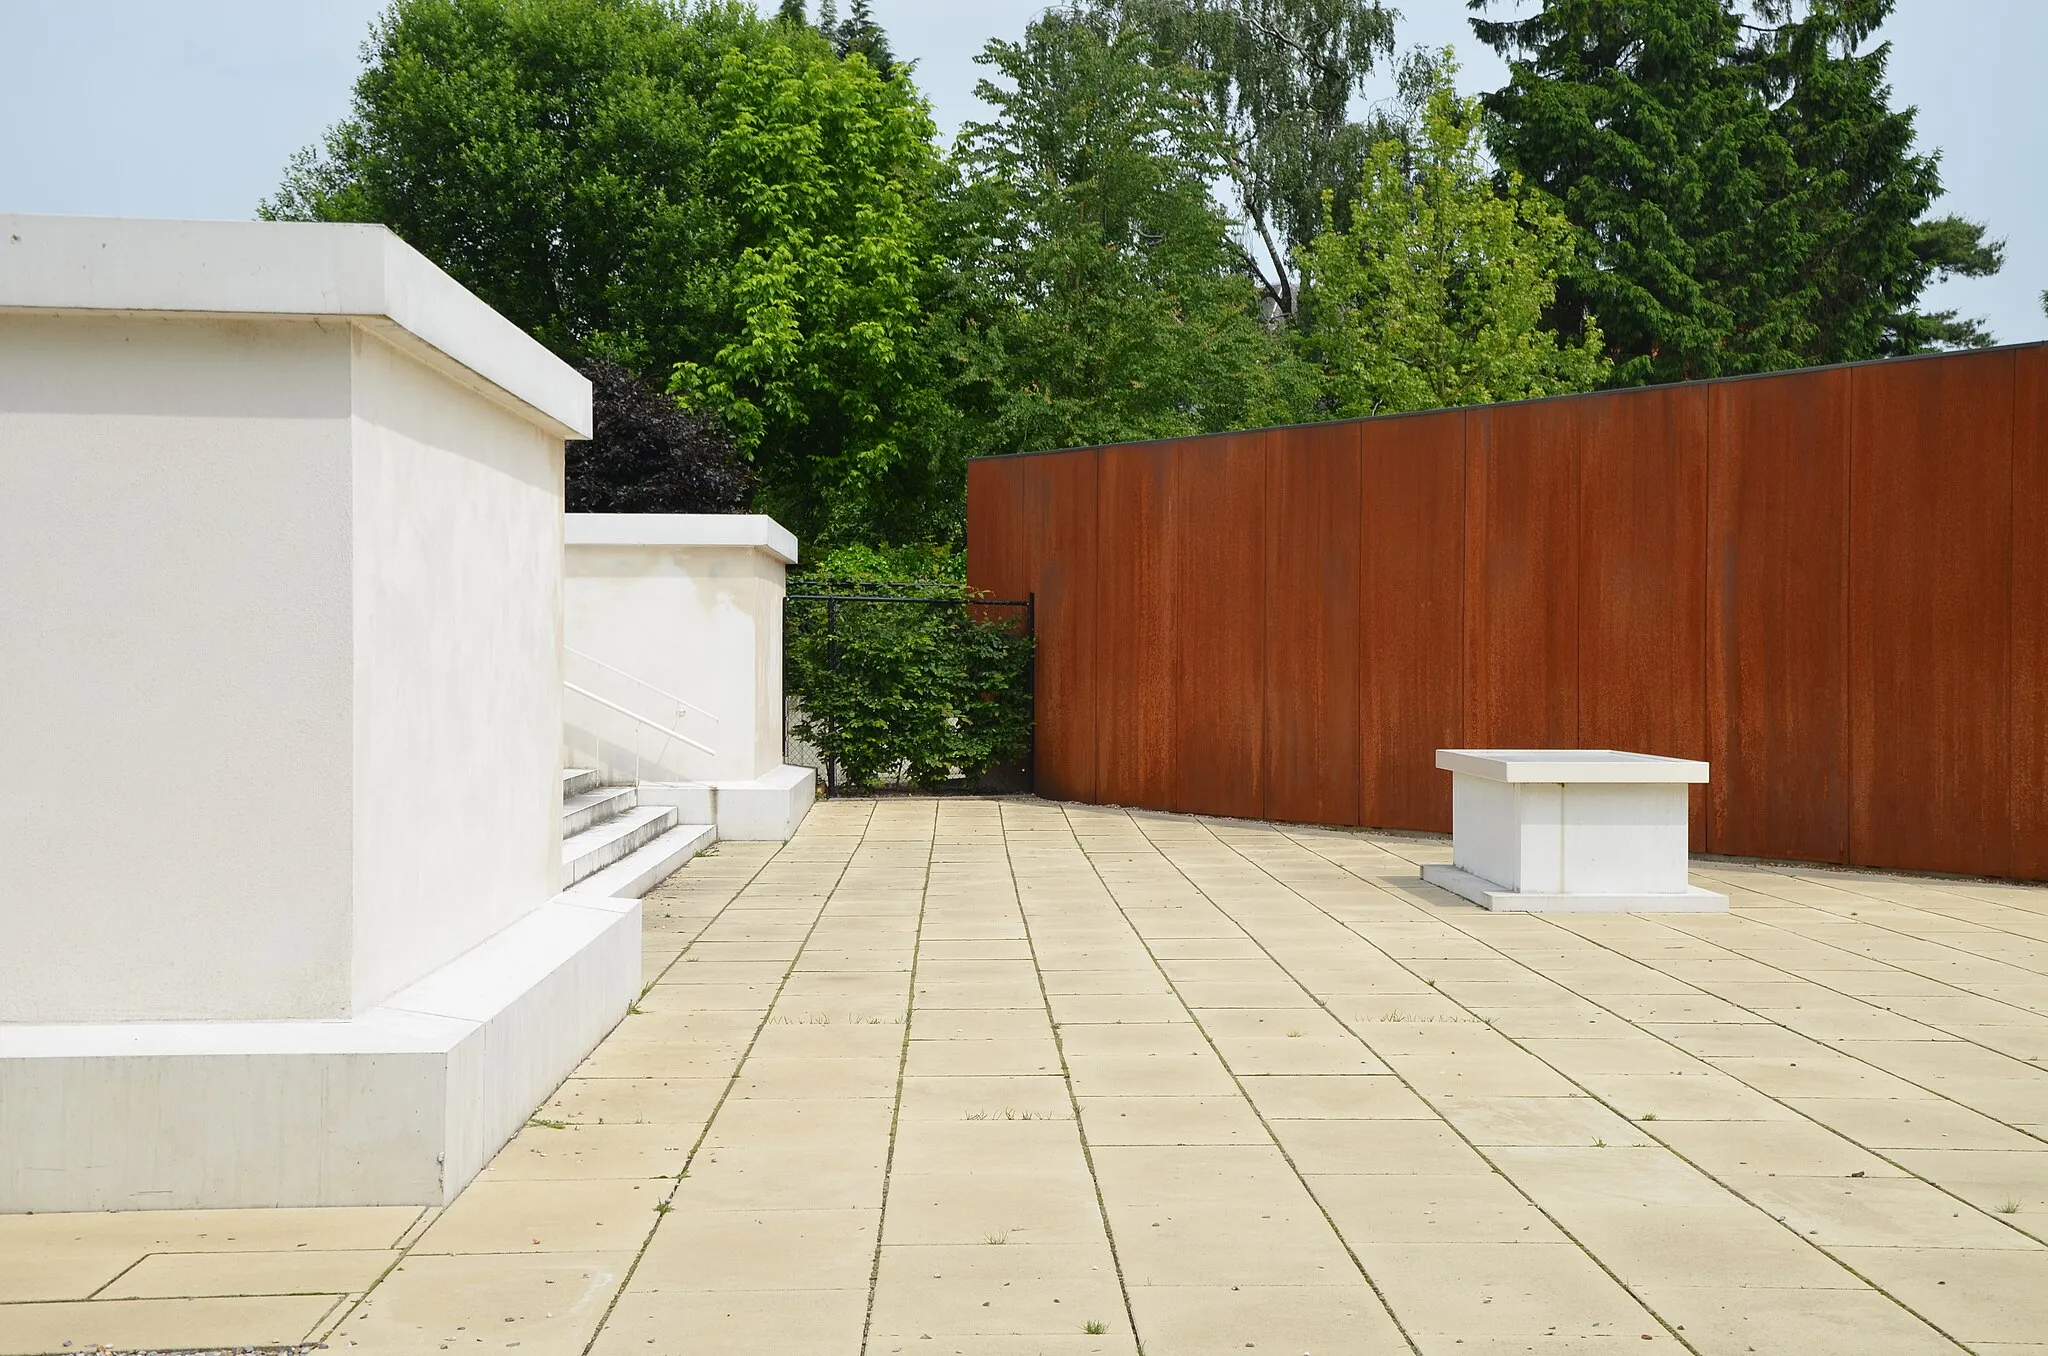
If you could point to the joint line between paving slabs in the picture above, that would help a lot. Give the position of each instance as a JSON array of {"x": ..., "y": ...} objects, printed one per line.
[
  {"x": 1066, "y": 1076},
  {"x": 1665, "y": 922},
  {"x": 1589, "y": 1093},
  {"x": 707, "y": 924},
  {"x": 1413, "y": 1091},
  {"x": 732, "y": 1082},
  {"x": 1858, "y": 998},
  {"x": 410, "y": 1238},
  {"x": 1237, "y": 1082},
  {"x": 1878, "y": 1154},
  {"x": 1679, "y": 1154},
  {"x": 867, "y": 1321},
  {"x": 1851, "y": 879}
]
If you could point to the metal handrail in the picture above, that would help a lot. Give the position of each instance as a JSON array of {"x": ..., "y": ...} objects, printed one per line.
[
  {"x": 672, "y": 734},
  {"x": 679, "y": 701}
]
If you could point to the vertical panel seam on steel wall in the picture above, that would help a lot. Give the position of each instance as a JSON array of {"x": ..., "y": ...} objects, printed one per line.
[
  {"x": 1578, "y": 594},
  {"x": 2012, "y": 639},
  {"x": 1263, "y": 785},
  {"x": 1850, "y": 714},
  {"x": 1465, "y": 665},
  {"x": 1708, "y": 668}
]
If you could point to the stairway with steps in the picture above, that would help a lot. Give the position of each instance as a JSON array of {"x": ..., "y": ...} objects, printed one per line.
[{"x": 613, "y": 845}]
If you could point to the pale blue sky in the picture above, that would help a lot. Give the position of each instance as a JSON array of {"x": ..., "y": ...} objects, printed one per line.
[{"x": 153, "y": 108}]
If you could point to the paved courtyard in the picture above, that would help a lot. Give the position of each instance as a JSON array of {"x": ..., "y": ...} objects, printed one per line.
[{"x": 1006, "y": 1078}]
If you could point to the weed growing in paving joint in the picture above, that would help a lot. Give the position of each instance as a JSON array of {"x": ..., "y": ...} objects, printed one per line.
[
  {"x": 1296, "y": 1033},
  {"x": 996, "y": 1239},
  {"x": 1599, "y": 1143},
  {"x": 548, "y": 1125},
  {"x": 1649, "y": 1115},
  {"x": 1010, "y": 1113},
  {"x": 1095, "y": 1328},
  {"x": 2011, "y": 1207}
]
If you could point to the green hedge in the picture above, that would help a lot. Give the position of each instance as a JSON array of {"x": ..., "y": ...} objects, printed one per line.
[{"x": 909, "y": 672}]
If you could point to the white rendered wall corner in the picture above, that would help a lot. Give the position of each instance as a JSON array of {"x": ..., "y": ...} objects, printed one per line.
[
  {"x": 674, "y": 662},
  {"x": 280, "y": 558}
]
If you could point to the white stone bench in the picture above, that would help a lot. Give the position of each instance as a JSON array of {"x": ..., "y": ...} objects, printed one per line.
[{"x": 1563, "y": 830}]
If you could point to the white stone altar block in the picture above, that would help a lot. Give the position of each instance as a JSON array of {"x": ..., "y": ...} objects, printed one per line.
[
  {"x": 280, "y": 649},
  {"x": 1565, "y": 830}
]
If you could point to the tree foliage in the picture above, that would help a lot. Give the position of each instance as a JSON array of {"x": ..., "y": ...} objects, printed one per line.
[
  {"x": 826, "y": 170},
  {"x": 1748, "y": 199},
  {"x": 1435, "y": 294},
  {"x": 686, "y": 188},
  {"x": 1280, "y": 77},
  {"x": 1095, "y": 295},
  {"x": 649, "y": 455}
]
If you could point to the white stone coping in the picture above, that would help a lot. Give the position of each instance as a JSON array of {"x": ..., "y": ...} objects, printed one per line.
[
  {"x": 140, "y": 265},
  {"x": 682, "y": 529},
  {"x": 1569, "y": 765}
]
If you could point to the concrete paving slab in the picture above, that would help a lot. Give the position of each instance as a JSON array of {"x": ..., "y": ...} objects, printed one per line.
[{"x": 1321, "y": 1109}]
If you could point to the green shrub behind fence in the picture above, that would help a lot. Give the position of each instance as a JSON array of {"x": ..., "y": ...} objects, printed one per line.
[{"x": 916, "y": 675}]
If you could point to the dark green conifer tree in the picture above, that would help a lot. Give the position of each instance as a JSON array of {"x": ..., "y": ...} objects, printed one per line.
[
  {"x": 859, "y": 33},
  {"x": 1864, "y": 189},
  {"x": 1749, "y": 199}
]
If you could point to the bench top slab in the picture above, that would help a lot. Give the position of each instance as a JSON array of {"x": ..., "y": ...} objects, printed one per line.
[{"x": 1569, "y": 765}]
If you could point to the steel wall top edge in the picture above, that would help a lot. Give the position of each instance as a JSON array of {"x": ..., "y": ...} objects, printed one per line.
[{"x": 1946, "y": 355}]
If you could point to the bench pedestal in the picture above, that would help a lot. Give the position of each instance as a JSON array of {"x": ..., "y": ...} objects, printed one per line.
[{"x": 1570, "y": 830}]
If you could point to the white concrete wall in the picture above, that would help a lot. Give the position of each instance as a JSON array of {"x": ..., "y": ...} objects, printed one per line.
[
  {"x": 457, "y": 683},
  {"x": 671, "y": 600},
  {"x": 175, "y": 670},
  {"x": 280, "y": 618}
]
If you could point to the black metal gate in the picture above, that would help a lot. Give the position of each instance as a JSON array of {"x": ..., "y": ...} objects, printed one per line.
[{"x": 837, "y": 641}]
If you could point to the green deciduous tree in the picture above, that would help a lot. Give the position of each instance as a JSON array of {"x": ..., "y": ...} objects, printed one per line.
[
  {"x": 552, "y": 156},
  {"x": 1279, "y": 76},
  {"x": 1435, "y": 293},
  {"x": 683, "y": 187},
  {"x": 827, "y": 171},
  {"x": 1096, "y": 295}
]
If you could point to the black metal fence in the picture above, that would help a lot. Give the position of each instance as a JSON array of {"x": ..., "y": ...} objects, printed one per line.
[{"x": 909, "y": 684}]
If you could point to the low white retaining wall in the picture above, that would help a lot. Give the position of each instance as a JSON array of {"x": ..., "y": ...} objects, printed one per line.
[
  {"x": 280, "y": 576},
  {"x": 677, "y": 620},
  {"x": 1570, "y": 830}
]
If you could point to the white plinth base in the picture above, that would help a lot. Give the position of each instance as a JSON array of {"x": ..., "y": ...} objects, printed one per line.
[
  {"x": 1488, "y": 895},
  {"x": 399, "y": 1106},
  {"x": 765, "y": 809}
]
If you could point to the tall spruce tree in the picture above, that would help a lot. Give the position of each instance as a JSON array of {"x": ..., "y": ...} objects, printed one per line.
[
  {"x": 792, "y": 12},
  {"x": 1864, "y": 190},
  {"x": 1632, "y": 114},
  {"x": 1749, "y": 200},
  {"x": 859, "y": 34}
]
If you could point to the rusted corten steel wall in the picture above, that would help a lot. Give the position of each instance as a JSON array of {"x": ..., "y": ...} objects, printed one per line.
[{"x": 1832, "y": 585}]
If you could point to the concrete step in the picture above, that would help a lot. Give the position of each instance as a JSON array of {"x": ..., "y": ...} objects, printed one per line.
[
  {"x": 600, "y": 845},
  {"x": 577, "y": 780},
  {"x": 641, "y": 870},
  {"x": 588, "y": 808}
]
